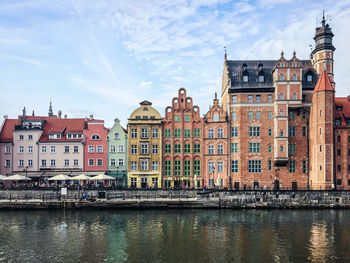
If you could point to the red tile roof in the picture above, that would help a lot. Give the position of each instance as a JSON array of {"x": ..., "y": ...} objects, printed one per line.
[
  {"x": 323, "y": 83},
  {"x": 62, "y": 126},
  {"x": 6, "y": 134},
  {"x": 345, "y": 112}
]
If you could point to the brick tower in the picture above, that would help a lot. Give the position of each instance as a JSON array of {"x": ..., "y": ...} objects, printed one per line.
[
  {"x": 322, "y": 134},
  {"x": 322, "y": 55}
]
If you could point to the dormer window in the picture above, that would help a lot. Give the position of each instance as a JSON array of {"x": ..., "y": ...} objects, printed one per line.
[
  {"x": 282, "y": 65},
  {"x": 244, "y": 67},
  {"x": 260, "y": 67},
  {"x": 145, "y": 109},
  {"x": 54, "y": 136},
  {"x": 245, "y": 78},
  {"x": 261, "y": 78},
  {"x": 294, "y": 65},
  {"x": 95, "y": 137}
]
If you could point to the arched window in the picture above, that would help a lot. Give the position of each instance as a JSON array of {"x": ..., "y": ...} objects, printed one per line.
[{"x": 95, "y": 137}]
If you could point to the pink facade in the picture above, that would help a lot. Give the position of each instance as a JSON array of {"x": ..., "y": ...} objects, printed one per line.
[{"x": 95, "y": 152}]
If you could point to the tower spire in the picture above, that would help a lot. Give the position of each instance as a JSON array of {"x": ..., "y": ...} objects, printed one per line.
[
  {"x": 323, "y": 19},
  {"x": 50, "y": 113}
]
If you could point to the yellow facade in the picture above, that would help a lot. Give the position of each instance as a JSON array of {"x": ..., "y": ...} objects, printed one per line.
[{"x": 145, "y": 147}]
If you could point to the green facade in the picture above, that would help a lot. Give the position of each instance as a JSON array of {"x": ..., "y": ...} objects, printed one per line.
[{"x": 117, "y": 153}]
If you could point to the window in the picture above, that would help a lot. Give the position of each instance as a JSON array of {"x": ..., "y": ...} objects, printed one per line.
[
  {"x": 133, "y": 149},
  {"x": 258, "y": 115},
  {"x": 187, "y": 133},
  {"x": 144, "y": 133},
  {"x": 75, "y": 162},
  {"x": 304, "y": 115},
  {"x": 338, "y": 152},
  {"x": 167, "y": 168},
  {"x": 210, "y": 166},
  {"x": 167, "y": 148},
  {"x": 154, "y": 133},
  {"x": 144, "y": 165},
  {"x": 234, "y": 131},
  {"x": 43, "y": 163},
  {"x": 177, "y": 148},
  {"x": 116, "y": 136},
  {"x": 167, "y": 133},
  {"x": 282, "y": 149},
  {"x": 30, "y": 149},
  {"x": 281, "y": 113},
  {"x": 112, "y": 148},
  {"x": 291, "y": 115},
  {"x": 91, "y": 162},
  {"x": 309, "y": 78},
  {"x": 43, "y": 149},
  {"x": 177, "y": 118},
  {"x": 133, "y": 133},
  {"x": 133, "y": 180},
  {"x": 197, "y": 132},
  {"x": 234, "y": 99},
  {"x": 234, "y": 147},
  {"x": 281, "y": 77},
  {"x": 294, "y": 77},
  {"x": 254, "y": 147},
  {"x": 269, "y": 165},
  {"x": 220, "y": 149},
  {"x": 291, "y": 130},
  {"x": 21, "y": 149},
  {"x": 211, "y": 181},
  {"x": 30, "y": 137},
  {"x": 95, "y": 137},
  {"x": 187, "y": 148},
  {"x": 187, "y": 118},
  {"x": 196, "y": 148},
  {"x": 337, "y": 122},
  {"x": 154, "y": 149},
  {"x": 177, "y": 168},
  {"x": 53, "y": 149},
  {"x": 234, "y": 166},
  {"x": 66, "y": 149},
  {"x": 91, "y": 148},
  {"x": 216, "y": 117},
  {"x": 155, "y": 166},
  {"x": 304, "y": 130},
  {"x": 269, "y": 98},
  {"x": 75, "y": 149},
  {"x": 269, "y": 115},
  {"x": 112, "y": 162},
  {"x": 250, "y": 98},
  {"x": 320, "y": 148},
  {"x": 245, "y": 78},
  {"x": 20, "y": 163},
  {"x": 294, "y": 96},
  {"x": 133, "y": 166},
  {"x": 261, "y": 78},
  {"x": 210, "y": 149},
  {"x": 53, "y": 162},
  {"x": 270, "y": 132},
  {"x": 234, "y": 115},
  {"x": 304, "y": 166},
  {"x": 254, "y": 166},
  {"x": 292, "y": 148},
  {"x": 177, "y": 133},
  {"x": 7, "y": 149},
  {"x": 7, "y": 163},
  {"x": 144, "y": 148},
  {"x": 187, "y": 168},
  {"x": 220, "y": 132},
  {"x": 120, "y": 162},
  {"x": 210, "y": 133},
  {"x": 292, "y": 166},
  {"x": 258, "y": 98},
  {"x": 220, "y": 166},
  {"x": 254, "y": 131},
  {"x": 66, "y": 162},
  {"x": 197, "y": 167},
  {"x": 281, "y": 96},
  {"x": 30, "y": 163},
  {"x": 250, "y": 115},
  {"x": 120, "y": 148},
  {"x": 338, "y": 138},
  {"x": 269, "y": 148},
  {"x": 21, "y": 137}
]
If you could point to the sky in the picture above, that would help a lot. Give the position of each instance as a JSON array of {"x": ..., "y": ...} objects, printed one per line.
[{"x": 105, "y": 57}]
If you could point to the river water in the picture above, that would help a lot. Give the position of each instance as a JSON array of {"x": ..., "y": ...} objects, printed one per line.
[{"x": 175, "y": 236}]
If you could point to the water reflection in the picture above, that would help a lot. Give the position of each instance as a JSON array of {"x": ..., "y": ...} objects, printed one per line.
[{"x": 175, "y": 236}]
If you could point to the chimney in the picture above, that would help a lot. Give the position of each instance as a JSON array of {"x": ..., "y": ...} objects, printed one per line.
[
  {"x": 6, "y": 117},
  {"x": 59, "y": 114},
  {"x": 91, "y": 116},
  {"x": 33, "y": 113},
  {"x": 65, "y": 116}
]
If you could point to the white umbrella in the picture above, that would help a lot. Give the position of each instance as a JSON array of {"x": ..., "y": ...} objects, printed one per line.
[
  {"x": 2, "y": 177},
  {"x": 81, "y": 177},
  {"x": 60, "y": 177},
  {"x": 17, "y": 177},
  {"x": 102, "y": 177}
]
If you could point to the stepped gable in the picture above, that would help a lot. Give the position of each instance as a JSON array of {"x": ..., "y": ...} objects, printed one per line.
[{"x": 323, "y": 83}]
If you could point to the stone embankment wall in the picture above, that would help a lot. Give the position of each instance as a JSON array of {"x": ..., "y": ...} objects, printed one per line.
[{"x": 21, "y": 199}]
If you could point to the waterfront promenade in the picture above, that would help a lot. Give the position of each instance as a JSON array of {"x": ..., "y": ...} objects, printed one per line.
[{"x": 141, "y": 199}]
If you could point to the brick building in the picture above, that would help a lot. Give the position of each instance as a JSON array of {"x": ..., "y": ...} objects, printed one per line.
[{"x": 182, "y": 143}]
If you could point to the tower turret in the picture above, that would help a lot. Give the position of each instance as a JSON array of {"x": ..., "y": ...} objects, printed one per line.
[
  {"x": 323, "y": 51},
  {"x": 50, "y": 113}
]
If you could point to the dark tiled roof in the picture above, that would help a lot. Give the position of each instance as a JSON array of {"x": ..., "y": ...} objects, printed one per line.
[{"x": 236, "y": 73}]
